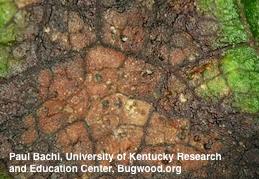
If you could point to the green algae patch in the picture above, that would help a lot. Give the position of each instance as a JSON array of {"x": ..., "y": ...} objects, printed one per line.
[
  {"x": 4, "y": 175},
  {"x": 214, "y": 89},
  {"x": 251, "y": 8},
  {"x": 241, "y": 68},
  {"x": 8, "y": 34},
  {"x": 225, "y": 11},
  {"x": 246, "y": 103},
  {"x": 239, "y": 78},
  {"x": 7, "y": 27},
  {"x": 218, "y": 87},
  {"x": 7, "y": 12},
  {"x": 11, "y": 24},
  {"x": 3, "y": 172}
]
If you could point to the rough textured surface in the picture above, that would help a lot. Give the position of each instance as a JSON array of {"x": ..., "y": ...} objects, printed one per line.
[
  {"x": 252, "y": 14},
  {"x": 226, "y": 12},
  {"x": 236, "y": 74},
  {"x": 7, "y": 33},
  {"x": 131, "y": 76},
  {"x": 18, "y": 31},
  {"x": 238, "y": 80}
]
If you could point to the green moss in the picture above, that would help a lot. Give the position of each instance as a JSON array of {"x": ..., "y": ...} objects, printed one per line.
[
  {"x": 240, "y": 59},
  {"x": 7, "y": 28},
  {"x": 252, "y": 14},
  {"x": 232, "y": 31},
  {"x": 238, "y": 81},
  {"x": 240, "y": 66},
  {"x": 7, "y": 12},
  {"x": 214, "y": 89},
  {"x": 218, "y": 87},
  {"x": 4, "y": 176},
  {"x": 240, "y": 75},
  {"x": 8, "y": 33},
  {"x": 3, "y": 173},
  {"x": 246, "y": 103}
]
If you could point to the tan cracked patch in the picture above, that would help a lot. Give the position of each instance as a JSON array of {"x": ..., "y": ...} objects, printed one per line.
[
  {"x": 24, "y": 3},
  {"x": 125, "y": 139},
  {"x": 71, "y": 92},
  {"x": 98, "y": 101},
  {"x": 30, "y": 134},
  {"x": 78, "y": 34},
  {"x": 74, "y": 138},
  {"x": 124, "y": 31},
  {"x": 81, "y": 34},
  {"x": 100, "y": 58},
  {"x": 107, "y": 115},
  {"x": 117, "y": 123},
  {"x": 115, "y": 72},
  {"x": 166, "y": 131}
]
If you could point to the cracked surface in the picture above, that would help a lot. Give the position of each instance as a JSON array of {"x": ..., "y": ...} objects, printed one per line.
[{"x": 134, "y": 76}]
